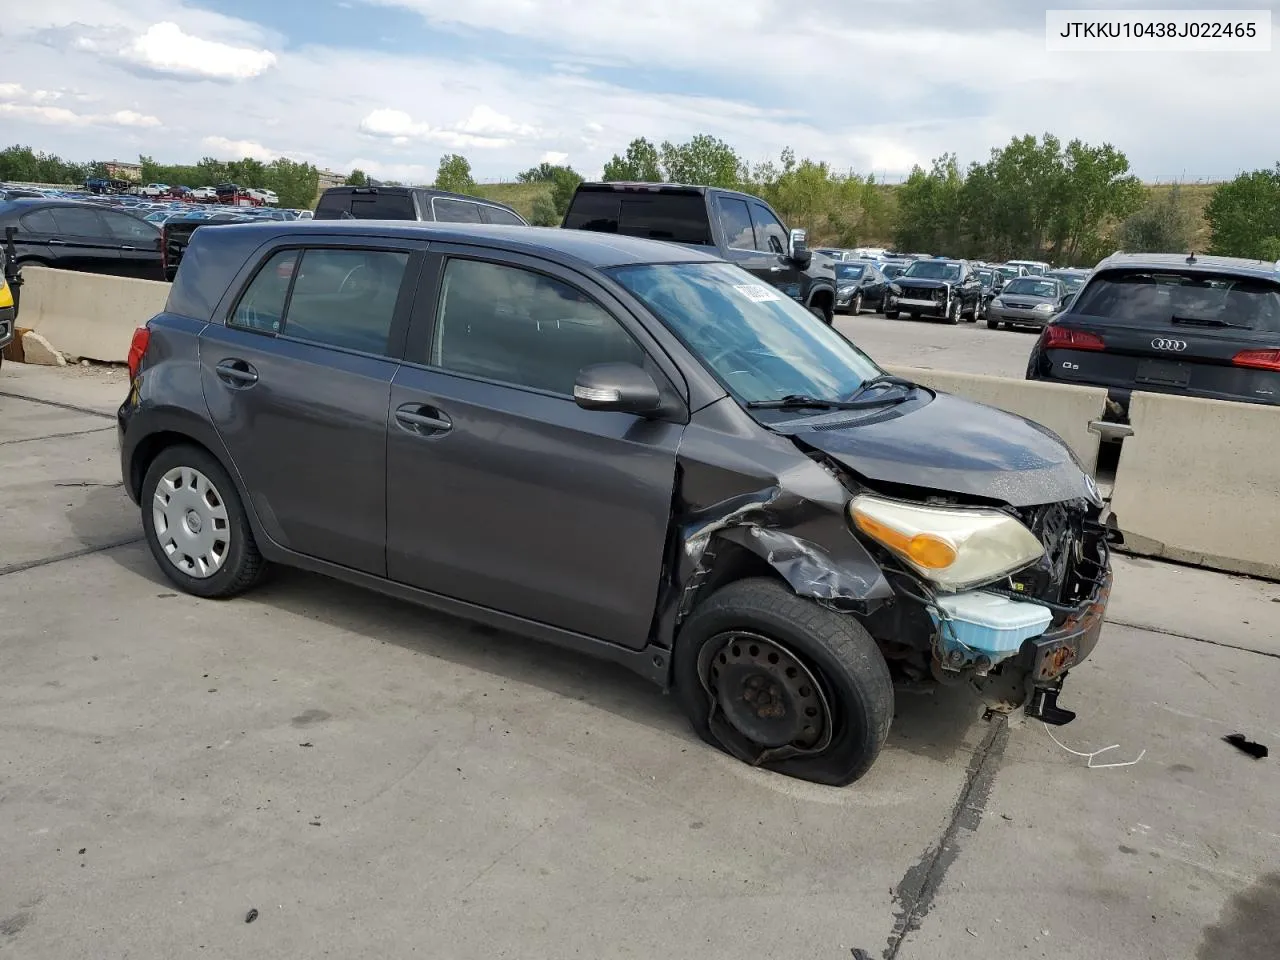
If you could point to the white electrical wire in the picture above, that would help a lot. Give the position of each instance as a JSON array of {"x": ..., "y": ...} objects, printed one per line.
[{"x": 1095, "y": 753}]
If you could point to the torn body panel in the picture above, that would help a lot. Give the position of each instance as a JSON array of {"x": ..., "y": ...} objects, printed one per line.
[{"x": 736, "y": 494}]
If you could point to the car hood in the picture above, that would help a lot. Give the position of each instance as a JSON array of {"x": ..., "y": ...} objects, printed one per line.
[{"x": 944, "y": 443}]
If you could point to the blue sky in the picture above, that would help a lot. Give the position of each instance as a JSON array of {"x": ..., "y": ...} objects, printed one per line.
[{"x": 390, "y": 85}]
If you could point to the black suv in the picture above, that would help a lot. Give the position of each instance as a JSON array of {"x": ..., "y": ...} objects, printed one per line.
[
  {"x": 736, "y": 226},
  {"x": 937, "y": 287},
  {"x": 626, "y": 447},
  {"x": 412, "y": 203},
  {"x": 1199, "y": 326}
]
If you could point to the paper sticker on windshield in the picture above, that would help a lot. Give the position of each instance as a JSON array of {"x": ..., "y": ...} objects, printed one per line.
[{"x": 757, "y": 293}]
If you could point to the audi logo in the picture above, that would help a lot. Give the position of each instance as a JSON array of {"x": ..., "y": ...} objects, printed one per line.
[{"x": 1164, "y": 343}]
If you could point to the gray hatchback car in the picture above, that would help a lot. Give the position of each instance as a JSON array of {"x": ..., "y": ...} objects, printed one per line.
[{"x": 622, "y": 446}]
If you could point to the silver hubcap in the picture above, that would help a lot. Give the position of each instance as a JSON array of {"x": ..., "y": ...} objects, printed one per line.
[{"x": 190, "y": 519}]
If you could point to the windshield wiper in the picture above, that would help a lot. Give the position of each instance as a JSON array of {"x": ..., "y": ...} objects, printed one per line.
[
  {"x": 796, "y": 401},
  {"x": 1208, "y": 322},
  {"x": 858, "y": 400},
  {"x": 884, "y": 380}
]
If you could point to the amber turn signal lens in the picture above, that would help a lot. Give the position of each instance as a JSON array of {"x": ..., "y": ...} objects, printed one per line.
[{"x": 926, "y": 549}]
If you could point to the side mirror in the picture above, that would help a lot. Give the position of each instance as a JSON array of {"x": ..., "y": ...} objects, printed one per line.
[
  {"x": 798, "y": 247},
  {"x": 623, "y": 387}
]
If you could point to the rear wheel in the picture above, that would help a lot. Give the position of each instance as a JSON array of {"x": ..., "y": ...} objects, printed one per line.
[
  {"x": 857, "y": 304},
  {"x": 993, "y": 324},
  {"x": 196, "y": 526},
  {"x": 780, "y": 682}
]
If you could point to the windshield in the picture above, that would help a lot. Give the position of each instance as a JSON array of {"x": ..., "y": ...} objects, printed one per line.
[
  {"x": 933, "y": 270},
  {"x": 1072, "y": 281},
  {"x": 1007, "y": 272},
  {"x": 986, "y": 276},
  {"x": 849, "y": 271},
  {"x": 1031, "y": 287},
  {"x": 760, "y": 344},
  {"x": 1155, "y": 298}
]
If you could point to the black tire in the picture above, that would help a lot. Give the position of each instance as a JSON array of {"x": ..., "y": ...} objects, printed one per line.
[
  {"x": 244, "y": 565},
  {"x": 891, "y": 314},
  {"x": 993, "y": 324},
  {"x": 821, "y": 313},
  {"x": 976, "y": 314},
  {"x": 834, "y": 647},
  {"x": 857, "y": 304},
  {"x": 955, "y": 311}
]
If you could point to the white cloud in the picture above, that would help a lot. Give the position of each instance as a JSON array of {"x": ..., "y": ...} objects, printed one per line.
[
  {"x": 223, "y": 148},
  {"x": 165, "y": 48},
  {"x": 553, "y": 157},
  {"x": 484, "y": 127},
  {"x": 11, "y": 91},
  {"x": 62, "y": 117}
]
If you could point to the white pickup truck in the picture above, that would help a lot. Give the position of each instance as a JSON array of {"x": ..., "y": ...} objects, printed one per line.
[{"x": 153, "y": 190}]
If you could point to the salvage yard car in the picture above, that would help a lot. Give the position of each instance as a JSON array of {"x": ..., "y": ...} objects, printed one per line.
[
  {"x": 939, "y": 288},
  {"x": 1026, "y": 302},
  {"x": 631, "y": 448}
]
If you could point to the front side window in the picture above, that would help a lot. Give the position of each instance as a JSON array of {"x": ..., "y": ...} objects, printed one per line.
[
  {"x": 129, "y": 229},
  {"x": 523, "y": 328},
  {"x": 771, "y": 236},
  {"x": 346, "y": 298},
  {"x": 760, "y": 344}
]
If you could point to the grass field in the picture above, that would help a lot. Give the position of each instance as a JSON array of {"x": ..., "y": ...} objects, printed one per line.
[{"x": 1194, "y": 197}]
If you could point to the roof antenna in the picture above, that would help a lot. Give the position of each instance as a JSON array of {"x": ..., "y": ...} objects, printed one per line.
[{"x": 1192, "y": 257}]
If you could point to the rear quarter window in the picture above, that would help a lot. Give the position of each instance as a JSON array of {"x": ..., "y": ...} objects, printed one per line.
[
  {"x": 387, "y": 206},
  {"x": 1156, "y": 298},
  {"x": 333, "y": 206},
  {"x": 677, "y": 218}
]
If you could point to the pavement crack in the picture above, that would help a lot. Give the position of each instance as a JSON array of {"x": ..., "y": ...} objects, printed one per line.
[
  {"x": 56, "y": 436},
  {"x": 1183, "y": 636},
  {"x": 57, "y": 403},
  {"x": 919, "y": 886},
  {"x": 69, "y": 555}
]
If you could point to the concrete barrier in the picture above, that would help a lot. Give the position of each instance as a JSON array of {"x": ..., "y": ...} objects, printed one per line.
[
  {"x": 86, "y": 314},
  {"x": 1066, "y": 410},
  {"x": 1199, "y": 482}
]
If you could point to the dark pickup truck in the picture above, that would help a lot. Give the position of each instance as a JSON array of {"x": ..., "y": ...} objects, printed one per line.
[{"x": 740, "y": 228}]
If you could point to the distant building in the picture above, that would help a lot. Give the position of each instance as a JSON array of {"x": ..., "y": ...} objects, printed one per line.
[
  {"x": 124, "y": 171},
  {"x": 330, "y": 179}
]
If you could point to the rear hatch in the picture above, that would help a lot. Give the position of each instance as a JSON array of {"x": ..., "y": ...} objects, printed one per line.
[{"x": 1170, "y": 330}]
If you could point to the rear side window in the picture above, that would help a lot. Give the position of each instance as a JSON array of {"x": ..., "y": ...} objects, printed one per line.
[
  {"x": 455, "y": 211},
  {"x": 39, "y": 221},
  {"x": 678, "y": 218},
  {"x": 78, "y": 222},
  {"x": 1172, "y": 299},
  {"x": 261, "y": 307},
  {"x": 499, "y": 215},
  {"x": 523, "y": 328},
  {"x": 129, "y": 229},
  {"x": 736, "y": 222},
  {"x": 333, "y": 206},
  {"x": 383, "y": 206},
  {"x": 346, "y": 298}
]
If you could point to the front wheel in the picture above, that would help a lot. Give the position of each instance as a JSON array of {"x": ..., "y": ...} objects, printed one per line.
[
  {"x": 953, "y": 311},
  {"x": 993, "y": 324},
  {"x": 821, "y": 313},
  {"x": 977, "y": 311},
  {"x": 196, "y": 526},
  {"x": 781, "y": 682},
  {"x": 891, "y": 314},
  {"x": 857, "y": 304}
]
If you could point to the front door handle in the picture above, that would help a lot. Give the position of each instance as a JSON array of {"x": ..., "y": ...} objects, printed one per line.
[
  {"x": 127, "y": 247},
  {"x": 418, "y": 418},
  {"x": 238, "y": 373},
  {"x": 57, "y": 243},
  {"x": 775, "y": 269}
]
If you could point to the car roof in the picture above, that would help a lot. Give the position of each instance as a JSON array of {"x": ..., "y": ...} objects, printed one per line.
[
  {"x": 580, "y": 247},
  {"x": 427, "y": 191},
  {"x": 1258, "y": 269},
  {"x": 597, "y": 186}
]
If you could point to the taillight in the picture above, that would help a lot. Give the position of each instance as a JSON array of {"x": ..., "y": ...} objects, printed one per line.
[
  {"x": 138, "y": 350},
  {"x": 1064, "y": 338},
  {"x": 1258, "y": 359}
]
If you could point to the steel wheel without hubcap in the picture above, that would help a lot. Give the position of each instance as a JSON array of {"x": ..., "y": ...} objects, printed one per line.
[
  {"x": 767, "y": 698},
  {"x": 191, "y": 523}
]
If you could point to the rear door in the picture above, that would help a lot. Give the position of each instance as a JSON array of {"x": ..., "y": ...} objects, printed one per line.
[
  {"x": 297, "y": 381},
  {"x": 83, "y": 241},
  {"x": 1170, "y": 331},
  {"x": 501, "y": 490}
]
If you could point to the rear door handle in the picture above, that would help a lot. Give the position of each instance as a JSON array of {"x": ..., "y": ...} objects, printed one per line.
[
  {"x": 238, "y": 373},
  {"x": 127, "y": 247},
  {"x": 422, "y": 419},
  {"x": 57, "y": 243}
]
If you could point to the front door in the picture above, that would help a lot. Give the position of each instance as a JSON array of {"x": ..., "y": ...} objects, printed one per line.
[
  {"x": 138, "y": 243},
  {"x": 501, "y": 491},
  {"x": 754, "y": 244},
  {"x": 297, "y": 382}
]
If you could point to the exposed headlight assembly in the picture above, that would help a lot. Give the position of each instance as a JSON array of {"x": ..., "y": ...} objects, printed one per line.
[
  {"x": 953, "y": 547},
  {"x": 1044, "y": 308}
]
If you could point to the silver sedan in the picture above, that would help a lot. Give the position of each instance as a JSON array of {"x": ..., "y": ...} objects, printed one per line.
[{"x": 1026, "y": 301}]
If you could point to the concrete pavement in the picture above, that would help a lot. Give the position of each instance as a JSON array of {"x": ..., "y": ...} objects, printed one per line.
[
  {"x": 377, "y": 780},
  {"x": 963, "y": 348}
]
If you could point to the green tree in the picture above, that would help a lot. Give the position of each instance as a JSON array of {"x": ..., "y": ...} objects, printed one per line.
[
  {"x": 544, "y": 212},
  {"x": 454, "y": 174},
  {"x": 1161, "y": 225},
  {"x": 296, "y": 184},
  {"x": 1244, "y": 215},
  {"x": 357, "y": 178},
  {"x": 703, "y": 160},
  {"x": 542, "y": 173},
  {"x": 639, "y": 164},
  {"x": 564, "y": 181},
  {"x": 931, "y": 208}
]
